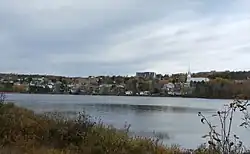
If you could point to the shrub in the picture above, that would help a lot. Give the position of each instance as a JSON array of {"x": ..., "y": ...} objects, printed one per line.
[{"x": 221, "y": 140}]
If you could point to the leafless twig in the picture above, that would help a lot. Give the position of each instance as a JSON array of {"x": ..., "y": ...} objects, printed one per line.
[
  {"x": 224, "y": 141},
  {"x": 2, "y": 98}
]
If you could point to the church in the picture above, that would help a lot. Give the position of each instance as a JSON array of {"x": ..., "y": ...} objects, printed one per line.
[{"x": 198, "y": 79}]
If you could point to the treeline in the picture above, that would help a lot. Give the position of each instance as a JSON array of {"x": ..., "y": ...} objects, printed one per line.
[
  {"x": 231, "y": 75},
  {"x": 221, "y": 88},
  {"x": 7, "y": 87}
]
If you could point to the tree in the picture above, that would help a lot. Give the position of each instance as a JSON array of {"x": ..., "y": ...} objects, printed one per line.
[
  {"x": 119, "y": 80},
  {"x": 29, "y": 79},
  {"x": 144, "y": 86},
  {"x": 156, "y": 91},
  {"x": 19, "y": 88}
]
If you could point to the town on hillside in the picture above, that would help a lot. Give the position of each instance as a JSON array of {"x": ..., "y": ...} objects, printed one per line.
[{"x": 204, "y": 84}]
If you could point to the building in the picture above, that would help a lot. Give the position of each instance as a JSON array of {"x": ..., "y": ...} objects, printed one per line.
[
  {"x": 128, "y": 92},
  {"x": 168, "y": 87},
  {"x": 146, "y": 74},
  {"x": 190, "y": 79}
]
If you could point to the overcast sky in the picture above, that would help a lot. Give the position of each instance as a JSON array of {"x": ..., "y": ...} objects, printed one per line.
[{"x": 107, "y": 37}]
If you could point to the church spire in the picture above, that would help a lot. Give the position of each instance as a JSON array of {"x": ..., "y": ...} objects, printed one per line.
[
  {"x": 189, "y": 71},
  {"x": 189, "y": 68},
  {"x": 189, "y": 75}
]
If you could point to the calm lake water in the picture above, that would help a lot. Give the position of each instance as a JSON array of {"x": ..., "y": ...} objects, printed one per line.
[{"x": 173, "y": 117}]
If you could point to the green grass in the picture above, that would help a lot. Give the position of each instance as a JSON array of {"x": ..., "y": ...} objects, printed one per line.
[{"x": 23, "y": 131}]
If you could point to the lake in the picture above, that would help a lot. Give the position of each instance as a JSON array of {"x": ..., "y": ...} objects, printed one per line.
[{"x": 174, "y": 118}]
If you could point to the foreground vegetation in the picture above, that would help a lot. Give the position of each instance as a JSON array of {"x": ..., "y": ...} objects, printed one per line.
[{"x": 23, "y": 131}]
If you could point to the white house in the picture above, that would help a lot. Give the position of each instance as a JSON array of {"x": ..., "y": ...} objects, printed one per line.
[
  {"x": 144, "y": 93},
  {"x": 168, "y": 86},
  {"x": 129, "y": 93}
]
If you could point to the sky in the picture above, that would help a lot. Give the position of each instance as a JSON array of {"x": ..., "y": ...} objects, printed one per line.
[{"x": 110, "y": 37}]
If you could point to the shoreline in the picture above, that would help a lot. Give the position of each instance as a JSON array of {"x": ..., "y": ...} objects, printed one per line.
[{"x": 157, "y": 96}]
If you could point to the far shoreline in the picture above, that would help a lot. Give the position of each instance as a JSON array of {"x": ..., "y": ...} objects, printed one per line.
[{"x": 157, "y": 96}]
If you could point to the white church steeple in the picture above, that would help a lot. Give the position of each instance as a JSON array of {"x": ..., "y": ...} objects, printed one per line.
[{"x": 189, "y": 76}]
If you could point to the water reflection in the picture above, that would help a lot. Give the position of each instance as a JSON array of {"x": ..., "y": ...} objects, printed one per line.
[
  {"x": 116, "y": 108},
  {"x": 145, "y": 108}
]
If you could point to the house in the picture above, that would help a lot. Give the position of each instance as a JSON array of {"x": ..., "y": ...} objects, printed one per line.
[
  {"x": 128, "y": 92},
  {"x": 144, "y": 93},
  {"x": 105, "y": 85},
  {"x": 105, "y": 88},
  {"x": 169, "y": 87},
  {"x": 120, "y": 86},
  {"x": 50, "y": 86},
  {"x": 239, "y": 81}
]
